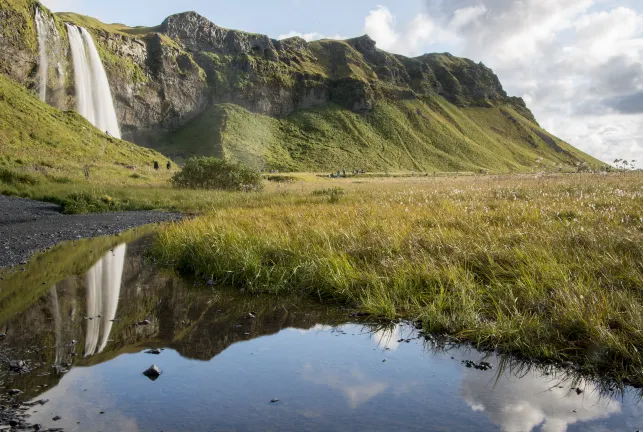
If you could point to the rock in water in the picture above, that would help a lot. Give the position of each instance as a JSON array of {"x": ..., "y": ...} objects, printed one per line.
[
  {"x": 153, "y": 372},
  {"x": 154, "y": 351}
]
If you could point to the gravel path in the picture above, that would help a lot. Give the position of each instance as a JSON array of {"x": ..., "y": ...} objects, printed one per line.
[{"x": 27, "y": 226}]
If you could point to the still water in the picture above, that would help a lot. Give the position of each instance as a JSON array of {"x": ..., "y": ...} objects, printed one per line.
[{"x": 83, "y": 316}]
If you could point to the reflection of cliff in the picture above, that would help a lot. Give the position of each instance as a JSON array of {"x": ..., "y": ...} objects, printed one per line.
[
  {"x": 198, "y": 322},
  {"x": 103, "y": 282},
  {"x": 532, "y": 401}
]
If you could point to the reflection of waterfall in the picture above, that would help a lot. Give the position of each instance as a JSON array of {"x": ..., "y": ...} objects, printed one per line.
[
  {"x": 55, "y": 311},
  {"x": 103, "y": 290},
  {"x": 43, "y": 67},
  {"x": 93, "y": 95}
]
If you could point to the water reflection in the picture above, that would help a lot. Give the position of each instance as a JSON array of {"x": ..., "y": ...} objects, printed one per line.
[
  {"x": 534, "y": 400},
  {"x": 55, "y": 312},
  {"x": 103, "y": 290},
  {"x": 222, "y": 367}
]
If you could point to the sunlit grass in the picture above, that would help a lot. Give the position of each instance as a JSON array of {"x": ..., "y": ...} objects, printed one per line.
[{"x": 544, "y": 267}]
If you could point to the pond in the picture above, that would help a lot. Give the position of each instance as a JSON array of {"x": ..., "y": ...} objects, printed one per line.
[{"x": 78, "y": 324}]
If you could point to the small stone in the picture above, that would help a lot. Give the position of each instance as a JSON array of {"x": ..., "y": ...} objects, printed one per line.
[
  {"x": 274, "y": 400},
  {"x": 57, "y": 418},
  {"x": 579, "y": 391},
  {"x": 144, "y": 323},
  {"x": 153, "y": 372},
  {"x": 154, "y": 351},
  {"x": 14, "y": 392}
]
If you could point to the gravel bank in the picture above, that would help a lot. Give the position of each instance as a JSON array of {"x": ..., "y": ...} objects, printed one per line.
[{"x": 27, "y": 226}]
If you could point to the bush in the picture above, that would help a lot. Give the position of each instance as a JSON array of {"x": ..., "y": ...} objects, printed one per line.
[
  {"x": 82, "y": 203},
  {"x": 213, "y": 173},
  {"x": 282, "y": 179}
]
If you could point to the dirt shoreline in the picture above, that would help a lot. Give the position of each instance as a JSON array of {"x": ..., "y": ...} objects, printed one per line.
[{"x": 28, "y": 227}]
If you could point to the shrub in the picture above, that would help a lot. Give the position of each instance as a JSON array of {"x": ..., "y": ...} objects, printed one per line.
[
  {"x": 213, "y": 173},
  {"x": 282, "y": 179},
  {"x": 82, "y": 203}
]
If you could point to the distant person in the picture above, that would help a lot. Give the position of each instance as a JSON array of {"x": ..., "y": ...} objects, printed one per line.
[{"x": 156, "y": 165}]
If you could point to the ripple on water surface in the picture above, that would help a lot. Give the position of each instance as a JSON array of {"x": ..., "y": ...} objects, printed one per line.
[{"x": 235, "y": 362}]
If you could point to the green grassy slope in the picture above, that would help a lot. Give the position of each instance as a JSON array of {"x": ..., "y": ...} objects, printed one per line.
[
  {"x": 38, "y": 139},
  {"x": 422, "y": 135}
]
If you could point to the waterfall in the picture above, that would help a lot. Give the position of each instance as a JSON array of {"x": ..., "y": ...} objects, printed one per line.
[
  {"x": 103, "y": 290},
  {"x": 93, "y": 95},
  {"x": 43, "y": 68}
]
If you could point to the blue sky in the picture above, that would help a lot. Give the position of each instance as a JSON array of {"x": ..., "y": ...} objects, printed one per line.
[
  {"x": 344, "y": 17},
  {"x": 577, "y": 63}
]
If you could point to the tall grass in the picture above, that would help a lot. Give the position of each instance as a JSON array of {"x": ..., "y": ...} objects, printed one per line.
[{"x": 548, "y": 268}]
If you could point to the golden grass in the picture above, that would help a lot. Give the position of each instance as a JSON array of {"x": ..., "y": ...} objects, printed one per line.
[{"x": 547, "y": 267}]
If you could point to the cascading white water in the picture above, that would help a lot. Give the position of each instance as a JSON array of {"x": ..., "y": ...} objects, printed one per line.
[
  {"x": 103, "y": 290},
  {"x": 82, "y": 77},
  {"x": 43, "y": 68},
  {"x": 93, "y": 94}
]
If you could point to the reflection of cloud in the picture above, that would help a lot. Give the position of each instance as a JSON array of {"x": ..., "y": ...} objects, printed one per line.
[
  {"x": 524, "y": 404},
  {"x": 103, "y": 289},
  {"x": 388, "y": 337},
  {"x": 356, "y": 387},
  {"x": 77, "y": 406}
]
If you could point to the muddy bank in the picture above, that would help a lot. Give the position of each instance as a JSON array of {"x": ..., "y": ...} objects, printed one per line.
[{"x": 27, "y": 226}]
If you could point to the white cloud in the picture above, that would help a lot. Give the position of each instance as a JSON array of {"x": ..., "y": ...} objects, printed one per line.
[
  {"x": 578, "y": 63},
  {"x": 308, "y": 37},
  {"x": 381, "y": 25}
]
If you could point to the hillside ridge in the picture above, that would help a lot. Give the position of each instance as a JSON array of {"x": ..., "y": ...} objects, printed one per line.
[{"x": 168, "y": 77}]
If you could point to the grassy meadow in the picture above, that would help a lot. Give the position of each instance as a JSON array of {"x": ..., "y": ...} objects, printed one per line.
[{"x": 544, "y": 267}]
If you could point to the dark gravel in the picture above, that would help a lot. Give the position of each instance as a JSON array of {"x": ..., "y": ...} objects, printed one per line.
[{"x": 27, "y": 226}]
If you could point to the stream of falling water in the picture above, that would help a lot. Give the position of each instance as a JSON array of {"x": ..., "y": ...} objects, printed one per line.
[
  {"x": 93, "y": 94},
  {"x": 43, "y": 67}
]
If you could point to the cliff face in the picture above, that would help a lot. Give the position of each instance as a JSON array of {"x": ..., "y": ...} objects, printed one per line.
[{"x": 165, "y": 77}]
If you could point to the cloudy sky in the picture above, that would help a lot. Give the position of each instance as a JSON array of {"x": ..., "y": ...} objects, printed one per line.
[{"x": 577, "y": 63}]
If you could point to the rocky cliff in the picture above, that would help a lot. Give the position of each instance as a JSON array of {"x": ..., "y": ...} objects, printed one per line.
[{"x": 189, "y": 73}]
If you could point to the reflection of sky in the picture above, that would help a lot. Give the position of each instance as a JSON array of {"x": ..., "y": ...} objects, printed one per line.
[
  {"x": 325, "y": 380},
  {"x": 526, "y": 403},
  {"x": 356, "y": 387},
  {"x": 78, "y": 411}
]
